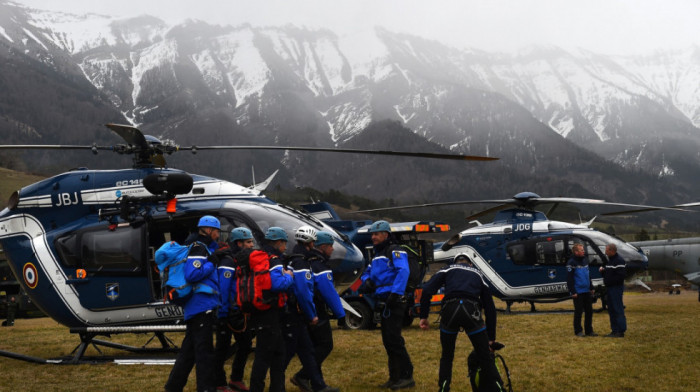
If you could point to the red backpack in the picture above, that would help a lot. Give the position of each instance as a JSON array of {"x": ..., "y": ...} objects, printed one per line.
[{"x": 253, "y": 282}]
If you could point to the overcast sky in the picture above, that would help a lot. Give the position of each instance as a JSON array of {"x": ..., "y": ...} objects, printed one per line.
[{"x": 604, "y": 26}]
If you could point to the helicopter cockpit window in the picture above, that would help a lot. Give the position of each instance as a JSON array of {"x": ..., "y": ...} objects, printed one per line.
[
  {"x": 229, "y": 223},
  {"x": 593, "y": 255},
  {"x": 67, "y": 247},
  {"x": 539, "y": 251},
  {"x": 551, "y": 252},
  {"x": 265, "y": 218},
  {"x": 518, "y": 253},
  {"x": 99, "y": 249}
]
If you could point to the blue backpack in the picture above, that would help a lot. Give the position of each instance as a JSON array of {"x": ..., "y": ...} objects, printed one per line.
[{"x": 171, "y": 258}]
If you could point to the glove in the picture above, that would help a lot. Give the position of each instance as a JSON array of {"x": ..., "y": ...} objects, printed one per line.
[{"x": 392, "y": 299}]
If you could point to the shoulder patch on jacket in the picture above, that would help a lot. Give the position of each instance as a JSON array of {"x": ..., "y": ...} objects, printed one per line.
[
  {"x": 397, "y": 253},
  {"x": 196, "y": 264}
]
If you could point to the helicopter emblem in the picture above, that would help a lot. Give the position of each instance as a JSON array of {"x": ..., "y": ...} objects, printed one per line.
[{"x": 112, "y": 290}]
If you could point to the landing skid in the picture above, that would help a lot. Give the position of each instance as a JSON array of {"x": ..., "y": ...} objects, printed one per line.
[
  {"x": 88, "y": 337},
  {"x": 533, "y": 309}
]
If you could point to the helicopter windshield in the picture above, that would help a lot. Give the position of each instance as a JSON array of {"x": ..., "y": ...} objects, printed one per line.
[
  {"x": 265, "y": 216},
  {"x": 556, "y": 249},
  {"x": 627, "y": 251}
]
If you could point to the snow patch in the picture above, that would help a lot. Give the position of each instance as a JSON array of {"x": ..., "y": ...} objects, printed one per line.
[
  {"x": 4, "y": 34},
  {"x": 404, "y": 118},
  {"x": 32, "y": 36}
]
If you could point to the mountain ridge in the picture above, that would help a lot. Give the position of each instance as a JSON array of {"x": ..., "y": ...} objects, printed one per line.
[{"x": 548, "y": 114}]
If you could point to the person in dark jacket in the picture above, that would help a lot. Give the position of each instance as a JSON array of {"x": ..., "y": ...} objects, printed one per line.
[
  {"x": 231, "y": 320},
  {"x": 325, "y": 297},
  {"x": 269, "y": 346},
  {"x": 466, "y": 295},
  {"x": 580, "y": 287},
  {"x": 614, "y": 280},
  {"x": 387, "y": 276},
  {"x": 200, "y": 312}
]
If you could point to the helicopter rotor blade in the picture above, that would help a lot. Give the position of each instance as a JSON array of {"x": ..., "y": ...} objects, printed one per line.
[
  {"x": 530, "y": 202},
  {"x": 130, "y": 134},
  {"x": 439, "y": 204},
  {"x": 52, "y": 147},
  {"x": 652, "y": 208},
  {"x": 457, "y": 157},
  {"x": 487, "y": 211}
]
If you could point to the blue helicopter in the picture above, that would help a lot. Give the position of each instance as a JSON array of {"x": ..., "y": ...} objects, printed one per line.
[
  {"x": 82, "y": 242},
  {"x": 523, "y": 254}
]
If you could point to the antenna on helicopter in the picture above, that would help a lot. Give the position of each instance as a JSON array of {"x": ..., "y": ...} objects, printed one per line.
[{"x": 252, "y": 169}]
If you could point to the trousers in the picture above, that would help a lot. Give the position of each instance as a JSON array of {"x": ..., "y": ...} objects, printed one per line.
[
  {"x": 583, "y": 304},
  {"x": 616, "y": 309}
]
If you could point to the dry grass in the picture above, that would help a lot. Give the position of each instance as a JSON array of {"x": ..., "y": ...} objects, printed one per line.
[{"x": 659, "y": 353}]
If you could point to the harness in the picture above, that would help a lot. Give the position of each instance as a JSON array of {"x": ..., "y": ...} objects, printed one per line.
[{"x": 474, "y": 314}]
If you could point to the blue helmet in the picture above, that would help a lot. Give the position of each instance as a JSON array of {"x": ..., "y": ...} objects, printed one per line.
[
  {"x": 240, "y": 234},
  {"x": 324, "y": 237},
  {"x": 209, "y": 221},
  {"x": 380, "y": 226},
  {"x": 276, "y": 233}
]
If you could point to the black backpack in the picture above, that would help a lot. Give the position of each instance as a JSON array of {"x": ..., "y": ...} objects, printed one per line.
[
  {"x": 416, "y": 268},
  {"x": 475, "y": 370}
]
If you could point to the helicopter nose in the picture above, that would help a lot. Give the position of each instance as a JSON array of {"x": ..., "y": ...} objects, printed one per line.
[
  {"x": 347, "y": 263},
  {"x": 637, "y": 264}
]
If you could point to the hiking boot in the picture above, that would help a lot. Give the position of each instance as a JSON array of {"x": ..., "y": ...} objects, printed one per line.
[
  {"x": 580, "y": 334},
  {"x": 329, "y": 388},
  {"x": 403, "y": 383},
  {"x": 238, "y": 386},
  {"x": 387, "y": 384},
  {"x": 592, "y": 334},
  {"x": 615, "y": 335},
  {"x": 302, "y": 383}
]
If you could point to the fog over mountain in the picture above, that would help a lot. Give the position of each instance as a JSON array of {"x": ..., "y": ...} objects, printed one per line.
[{"x": 563, "y": 122}]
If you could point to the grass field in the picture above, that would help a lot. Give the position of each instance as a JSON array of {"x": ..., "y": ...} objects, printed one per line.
[{"x": 659, "y": 353}]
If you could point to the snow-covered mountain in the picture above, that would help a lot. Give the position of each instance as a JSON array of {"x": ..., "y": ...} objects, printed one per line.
[{"x": 285, "y": 84}]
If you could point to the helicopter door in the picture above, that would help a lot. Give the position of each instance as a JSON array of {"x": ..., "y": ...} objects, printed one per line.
[{"x": 114, "y": 259}]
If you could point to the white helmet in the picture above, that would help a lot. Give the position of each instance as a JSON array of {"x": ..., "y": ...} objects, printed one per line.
[{"x": 305, "y": 234}]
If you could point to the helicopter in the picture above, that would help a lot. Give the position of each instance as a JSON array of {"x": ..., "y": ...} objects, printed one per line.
[
  {"x": 523, "y": 254},
  {"x": 681, "y": 255},
  {"x": 82, "y": 242}
]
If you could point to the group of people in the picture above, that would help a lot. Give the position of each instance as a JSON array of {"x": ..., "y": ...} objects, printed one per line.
[
  {"x": 296, "y": 322},
  {"x": 305, "y": 300},
  {"x": 580, "y": 287}
]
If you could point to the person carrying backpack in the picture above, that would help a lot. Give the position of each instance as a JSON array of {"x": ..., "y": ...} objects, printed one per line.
[
  {"x": 325, "y": 297},
  {"x": 466, "y": 296},
  {"x": 387, "y": 276},
  {"x": 231, "y": 319},
  {"x": 269, "y": 347},
  {"x": 200, "y": 312}
]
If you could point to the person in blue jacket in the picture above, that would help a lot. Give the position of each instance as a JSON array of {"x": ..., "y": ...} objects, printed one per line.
[
  {"x": 325, "y": 297},
  {"x": 578, "y": 280},
  {"x": 269, "y": 346},
  {"x": 614, "y": 281},
  {"x": 200, "y": 312},
  {"x": 387, "y": 276},
  {"x": 301, "y": 312},
  {"x": 231, "y": 320},
  {"x": 466, "y": 295}
]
